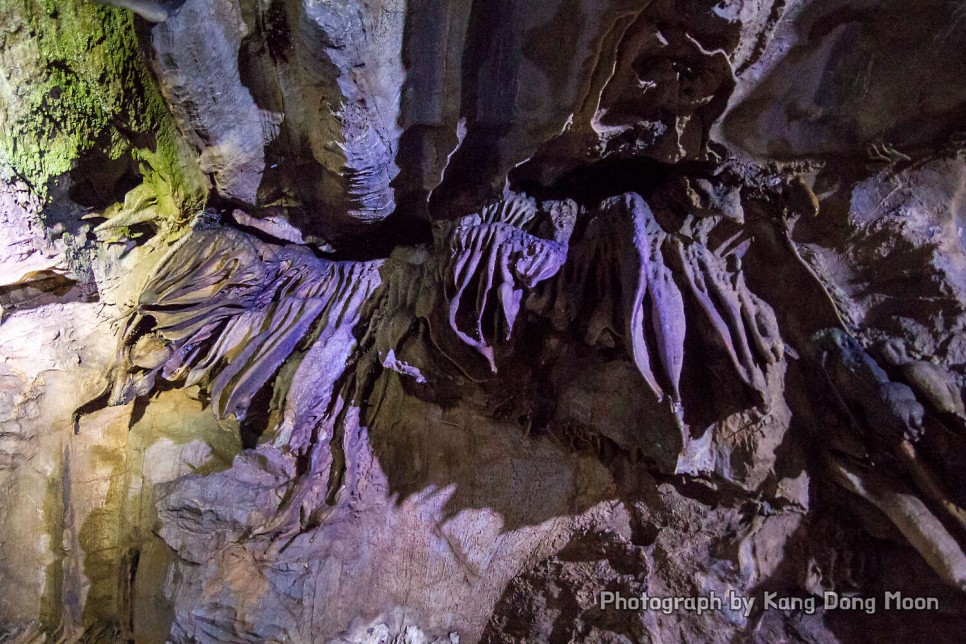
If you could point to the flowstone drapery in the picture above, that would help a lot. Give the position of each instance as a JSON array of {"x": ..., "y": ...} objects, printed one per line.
[{"x": 437, "y": 320}]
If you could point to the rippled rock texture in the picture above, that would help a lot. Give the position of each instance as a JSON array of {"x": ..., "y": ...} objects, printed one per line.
[{"x": 439, "y": 320}]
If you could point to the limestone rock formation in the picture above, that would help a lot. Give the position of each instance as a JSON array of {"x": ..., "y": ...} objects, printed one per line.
[{"x": 455, "y": 320}]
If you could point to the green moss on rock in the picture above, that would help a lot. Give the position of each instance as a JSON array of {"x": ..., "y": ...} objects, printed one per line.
[{"x": 73, "y": 81}]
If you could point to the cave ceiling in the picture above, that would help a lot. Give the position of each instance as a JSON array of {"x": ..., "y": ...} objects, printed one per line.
[{"x": 443, "y": 320}]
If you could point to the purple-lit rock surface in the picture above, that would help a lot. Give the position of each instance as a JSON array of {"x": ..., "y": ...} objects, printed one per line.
[{"x": 444, "y": 320}]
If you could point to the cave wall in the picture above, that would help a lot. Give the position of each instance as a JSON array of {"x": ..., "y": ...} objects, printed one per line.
[{"x": 431, "y": 320}]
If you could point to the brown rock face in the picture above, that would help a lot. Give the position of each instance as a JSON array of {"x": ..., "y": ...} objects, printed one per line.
[{"x": 466, "y": 320}]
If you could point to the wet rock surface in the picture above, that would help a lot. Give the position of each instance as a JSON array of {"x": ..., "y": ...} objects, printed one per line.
[{"x": 442, "y": 320}]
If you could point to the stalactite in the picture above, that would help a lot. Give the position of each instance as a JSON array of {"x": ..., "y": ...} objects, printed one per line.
[
  {"x": 743, "y": 323},
  {"x": 232, "y": 309},
  {"x": 438, "y": 321},
  {"x": 486, "y": 262},
  {"x": 621, "y": 266}
]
